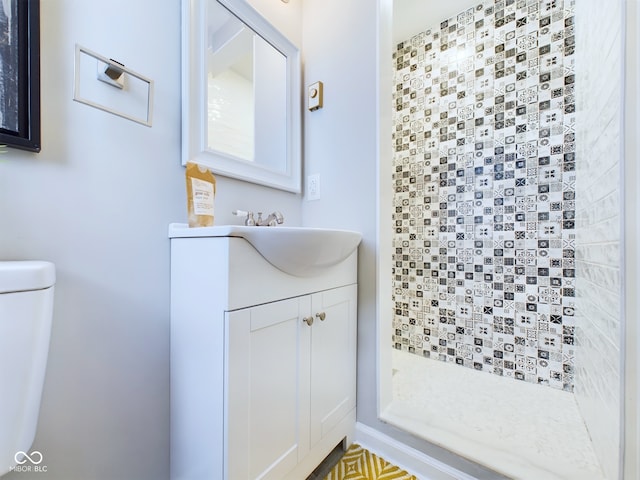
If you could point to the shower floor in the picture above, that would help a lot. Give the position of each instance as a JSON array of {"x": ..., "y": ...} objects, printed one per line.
[{"x": 522, "y": 430}]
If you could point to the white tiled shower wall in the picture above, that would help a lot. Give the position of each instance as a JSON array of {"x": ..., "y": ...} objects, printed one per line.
[{"x": 598, "y": 222}]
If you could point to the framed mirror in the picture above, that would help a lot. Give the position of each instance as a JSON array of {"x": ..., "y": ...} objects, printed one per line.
[{"x": 240, "y": 94}]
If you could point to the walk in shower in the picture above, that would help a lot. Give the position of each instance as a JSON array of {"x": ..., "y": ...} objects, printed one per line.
[{"x": 506, "y": 234}]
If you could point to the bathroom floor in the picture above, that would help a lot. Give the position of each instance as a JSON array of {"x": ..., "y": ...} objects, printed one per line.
[
  {"x": 360, "y": 464},
  {"x": 494, "y": 421}
]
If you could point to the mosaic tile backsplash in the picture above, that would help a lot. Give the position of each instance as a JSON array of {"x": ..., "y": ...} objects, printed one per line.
[{"x": 484, "y": 138}]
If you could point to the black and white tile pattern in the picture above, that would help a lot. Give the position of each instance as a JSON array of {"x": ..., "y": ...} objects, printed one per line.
[{"x": 484, "y": 137}]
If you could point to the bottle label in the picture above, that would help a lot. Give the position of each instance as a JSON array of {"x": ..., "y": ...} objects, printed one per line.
[{"x": 202, "y": 197}]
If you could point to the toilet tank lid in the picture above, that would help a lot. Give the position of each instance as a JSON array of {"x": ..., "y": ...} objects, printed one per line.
[{"x": 20, "y": 276}]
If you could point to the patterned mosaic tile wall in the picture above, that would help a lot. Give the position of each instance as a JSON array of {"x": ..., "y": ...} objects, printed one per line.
[{"x": 484, "y": 191}]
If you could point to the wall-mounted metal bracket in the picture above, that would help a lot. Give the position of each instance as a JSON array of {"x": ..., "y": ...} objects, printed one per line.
[{"x": 111, "y": 74}]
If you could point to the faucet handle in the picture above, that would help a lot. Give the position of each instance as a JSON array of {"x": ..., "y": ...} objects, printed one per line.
[{"x": 248, "y": 216}]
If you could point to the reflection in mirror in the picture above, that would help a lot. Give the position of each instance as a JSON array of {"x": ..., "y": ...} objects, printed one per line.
[
  {"x": 246, "y": 121},
  {"x": 246, "y": 83},
  {"x": 230, "y": 85}
]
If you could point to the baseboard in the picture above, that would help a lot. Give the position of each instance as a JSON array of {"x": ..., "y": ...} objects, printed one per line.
[{"x": 413, "y": 461}]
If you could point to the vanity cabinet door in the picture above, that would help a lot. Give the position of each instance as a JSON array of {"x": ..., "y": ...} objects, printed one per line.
[
  {"x": 333, "y": 359},
  {"x": 262, "y": 389},
  {"x": 290, "y": 378}
]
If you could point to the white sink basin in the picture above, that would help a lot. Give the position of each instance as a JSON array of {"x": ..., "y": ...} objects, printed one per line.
[{"x": 297, "y": 251}]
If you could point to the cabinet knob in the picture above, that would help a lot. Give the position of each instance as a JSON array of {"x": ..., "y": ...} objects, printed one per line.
[
  {"x": 321, "y": 315},
  {"x": 308, "y": 320}
]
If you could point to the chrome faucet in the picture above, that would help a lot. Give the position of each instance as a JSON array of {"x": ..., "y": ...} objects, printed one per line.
[
  {"x": 275, "y": 218},
  {"x": 272, "y": 220}
]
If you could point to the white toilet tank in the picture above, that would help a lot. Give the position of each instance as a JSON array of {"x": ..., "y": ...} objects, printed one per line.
[{"x": 26, "y": 307}]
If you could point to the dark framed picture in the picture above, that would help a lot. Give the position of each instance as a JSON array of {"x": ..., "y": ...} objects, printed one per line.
[{"x": 20, "y": 74}]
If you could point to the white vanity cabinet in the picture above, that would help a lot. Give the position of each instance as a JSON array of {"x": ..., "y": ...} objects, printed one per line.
[
  {"x": 289, "y": 383},
  {"x": 263, "y": 363}
]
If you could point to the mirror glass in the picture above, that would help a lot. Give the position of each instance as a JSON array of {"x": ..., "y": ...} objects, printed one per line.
[{"x": 241, "y": 106}]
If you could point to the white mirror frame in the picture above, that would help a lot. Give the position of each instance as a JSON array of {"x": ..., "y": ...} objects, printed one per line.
[{"x": 194, "y": 98}]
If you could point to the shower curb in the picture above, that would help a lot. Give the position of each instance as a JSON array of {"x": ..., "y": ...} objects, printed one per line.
[{"x": 413, "y": 461}]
